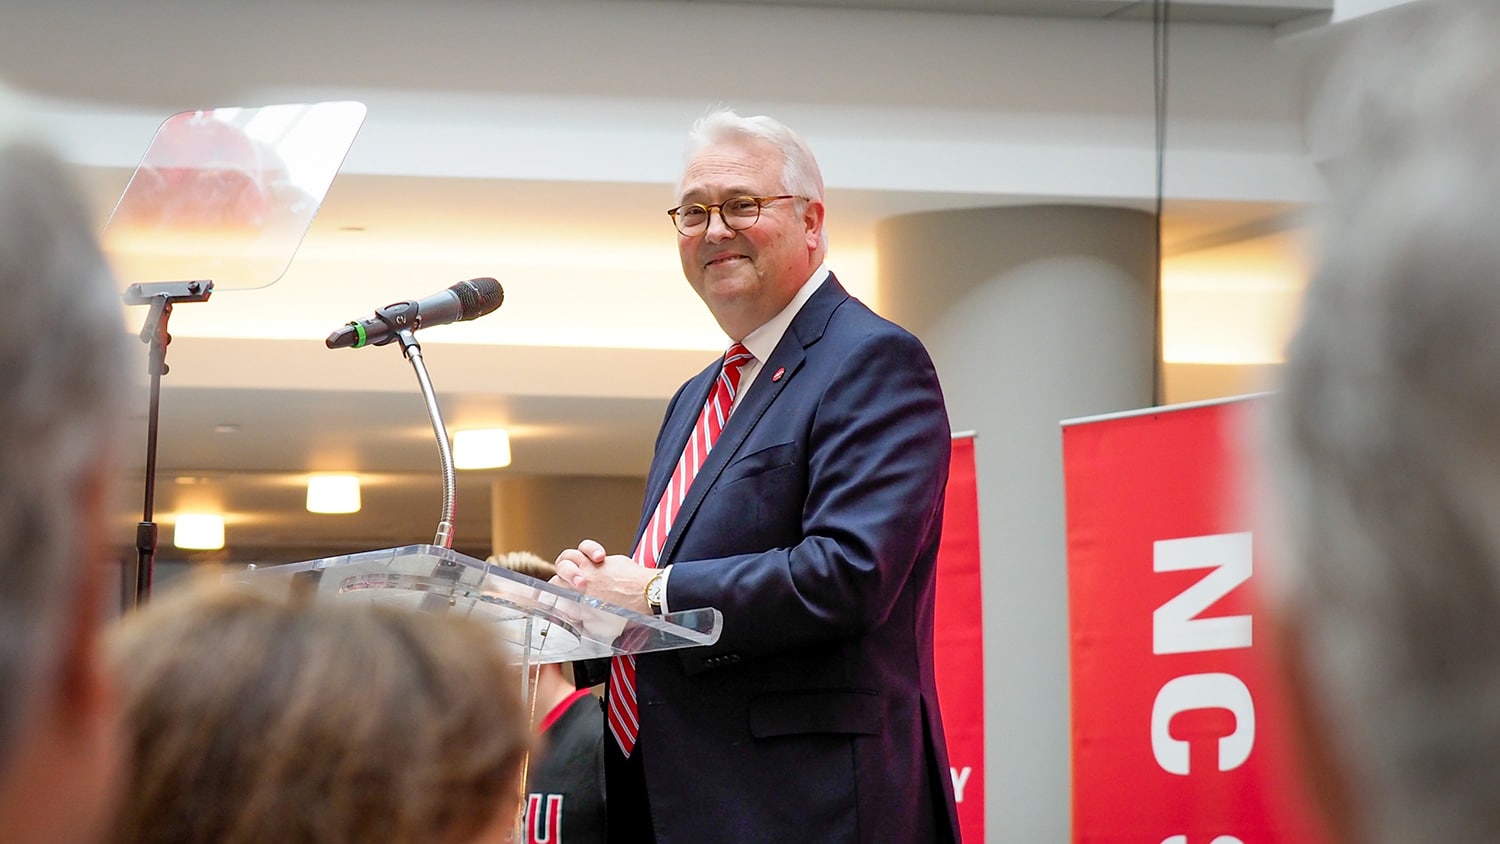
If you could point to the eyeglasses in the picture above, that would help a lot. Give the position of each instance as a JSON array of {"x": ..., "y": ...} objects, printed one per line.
[{"x": 738, "y": 213}]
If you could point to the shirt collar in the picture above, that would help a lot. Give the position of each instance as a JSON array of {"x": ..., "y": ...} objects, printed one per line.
[{"x": 762, "y": 341}]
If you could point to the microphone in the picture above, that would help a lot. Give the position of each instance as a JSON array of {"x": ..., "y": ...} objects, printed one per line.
[{"x": 463, "y": 301}]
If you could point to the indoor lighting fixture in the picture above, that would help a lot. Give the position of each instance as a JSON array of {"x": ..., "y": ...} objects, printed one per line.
[
  {"x": 198, "y": 531},
  {"x": 333, "y": 494},
  {"x": 487, "y": 448}
]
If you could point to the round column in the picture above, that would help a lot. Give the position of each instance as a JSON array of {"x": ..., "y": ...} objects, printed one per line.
[{"x": 1032, "y": 314}]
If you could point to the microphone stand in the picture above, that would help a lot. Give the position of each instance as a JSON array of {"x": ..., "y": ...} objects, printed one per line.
[
  {"x": 446, "y": 571},
  {"x": 400, "y": 321},
  {"x": 161, "y": 296}
]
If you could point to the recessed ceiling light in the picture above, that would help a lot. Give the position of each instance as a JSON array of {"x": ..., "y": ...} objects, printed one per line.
[
  {"x": 198, "y": 531},
  {"x": 333, "y": 494},
  {"x": 484, "y": 448}
]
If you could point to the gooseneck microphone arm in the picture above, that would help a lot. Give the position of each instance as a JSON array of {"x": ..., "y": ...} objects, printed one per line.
[
  {"x": 412, "y": 350},
  {"x": 399, "y": 321}
]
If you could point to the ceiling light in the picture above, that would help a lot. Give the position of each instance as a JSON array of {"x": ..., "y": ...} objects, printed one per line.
[
  {"x": 487, "y": 448},
  {"x": 333, "y": 494},
  {"x": 198, "y": 531}
]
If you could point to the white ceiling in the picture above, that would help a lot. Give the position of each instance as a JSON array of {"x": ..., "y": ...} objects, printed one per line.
[
  {"x": 1195, "y": 11},
  {"x": 504, "y": 138}
]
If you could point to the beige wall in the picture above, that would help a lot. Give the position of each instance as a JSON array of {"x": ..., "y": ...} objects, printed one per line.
[{"x": 546, "y": 514}]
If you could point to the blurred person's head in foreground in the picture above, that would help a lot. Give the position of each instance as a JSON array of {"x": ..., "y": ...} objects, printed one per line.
[
  {"x": 258, "y": 718},
  {"x": 63, "y": 353},
  {"x": 1385, "y": 440}
]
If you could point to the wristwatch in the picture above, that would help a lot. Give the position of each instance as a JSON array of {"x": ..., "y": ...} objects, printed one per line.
[{"x": 656, "y": 591}]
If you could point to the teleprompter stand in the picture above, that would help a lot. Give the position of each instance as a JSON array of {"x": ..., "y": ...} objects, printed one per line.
[
  {"x": 213, "y": 197},
  {"x": 160, "y": 296}
]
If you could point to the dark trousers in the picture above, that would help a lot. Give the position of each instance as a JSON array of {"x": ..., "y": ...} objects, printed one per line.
[{"x": 627, "y": 810}]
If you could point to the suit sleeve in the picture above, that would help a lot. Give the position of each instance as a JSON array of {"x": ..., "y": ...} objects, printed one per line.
[{"x": 836, "y": 524}]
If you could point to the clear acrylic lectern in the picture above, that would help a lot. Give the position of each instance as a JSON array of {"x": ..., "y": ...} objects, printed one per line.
[{"x": 542, "y": 622}]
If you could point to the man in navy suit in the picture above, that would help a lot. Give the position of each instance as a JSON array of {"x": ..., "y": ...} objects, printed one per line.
[{"x": 812, "y": 524}]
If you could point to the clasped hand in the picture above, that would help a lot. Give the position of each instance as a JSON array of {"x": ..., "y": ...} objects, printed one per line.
[{"x": 612, "y": 578}]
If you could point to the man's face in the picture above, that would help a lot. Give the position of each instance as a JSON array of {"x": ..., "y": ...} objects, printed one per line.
[{"x": 747, "y": 277}]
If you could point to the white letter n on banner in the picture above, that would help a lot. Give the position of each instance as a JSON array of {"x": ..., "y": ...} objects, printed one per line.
[{"x": 1175, "y": 626}]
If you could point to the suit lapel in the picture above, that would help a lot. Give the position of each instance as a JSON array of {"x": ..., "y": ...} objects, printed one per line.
[
  {"x": 805, "y": 329},
  {"x": 676, "y": 429}
]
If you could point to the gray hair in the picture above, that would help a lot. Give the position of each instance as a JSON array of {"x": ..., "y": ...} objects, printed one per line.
[
  {"x": 1385, "y": 434},
  {"x": 62, "y": 357},
  {"x": 799, "y": 170}
]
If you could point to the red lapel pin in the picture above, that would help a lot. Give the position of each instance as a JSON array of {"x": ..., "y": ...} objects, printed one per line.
[{"x": 779, "y": 372}]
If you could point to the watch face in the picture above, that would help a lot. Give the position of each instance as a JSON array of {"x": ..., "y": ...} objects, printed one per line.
[{"x": 653, "y": 591}]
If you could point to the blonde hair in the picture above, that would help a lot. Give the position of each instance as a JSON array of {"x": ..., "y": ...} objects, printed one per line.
[
  {"x": 531, "y": 565},
  {"x": 261, "y": 719},
  {"x": 526, "y": 563}
]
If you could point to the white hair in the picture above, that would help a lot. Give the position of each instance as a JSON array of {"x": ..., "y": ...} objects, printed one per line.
[
  {"x": 62, "y": 352},
  {"x": 1385, "y": 434},
  {"x": 800, "y": 175}
]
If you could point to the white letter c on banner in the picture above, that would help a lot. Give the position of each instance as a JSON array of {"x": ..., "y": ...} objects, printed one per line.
[{"x": 1202, "y": 691}]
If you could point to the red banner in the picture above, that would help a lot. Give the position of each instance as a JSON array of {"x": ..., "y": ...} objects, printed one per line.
[
  {"x": 1178, "y": 736},
  {"x": 958, "y": 641}
]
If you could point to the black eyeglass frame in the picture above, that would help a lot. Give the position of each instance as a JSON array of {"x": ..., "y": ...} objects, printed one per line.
[{"x": 760, "y": 207}]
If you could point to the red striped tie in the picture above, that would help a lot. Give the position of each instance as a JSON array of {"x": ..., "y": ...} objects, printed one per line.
[{"x": 623, "y": 723}]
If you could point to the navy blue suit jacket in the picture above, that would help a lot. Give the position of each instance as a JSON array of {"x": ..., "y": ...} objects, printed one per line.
[{"x": 813, "y": 527}]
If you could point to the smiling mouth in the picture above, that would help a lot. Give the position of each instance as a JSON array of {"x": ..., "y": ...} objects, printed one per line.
[{"x": 724, "y": 259}]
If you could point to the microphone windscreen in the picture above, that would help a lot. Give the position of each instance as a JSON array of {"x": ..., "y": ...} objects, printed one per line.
[{"x": 477, "y": 297}]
